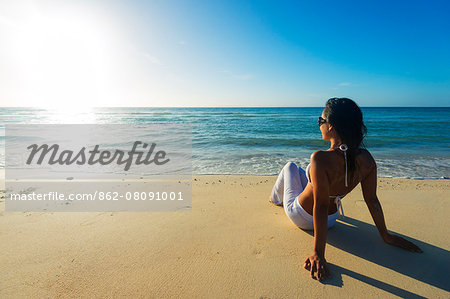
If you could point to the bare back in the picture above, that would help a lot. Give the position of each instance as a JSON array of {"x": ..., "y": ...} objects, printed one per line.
[{"x": 335, "y": 171}]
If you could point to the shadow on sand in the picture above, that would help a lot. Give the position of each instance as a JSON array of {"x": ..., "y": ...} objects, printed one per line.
[{"x": 363, "y": 240}]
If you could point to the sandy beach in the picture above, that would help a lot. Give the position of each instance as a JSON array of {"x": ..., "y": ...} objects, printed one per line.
[{"x": 233, "y": 244}]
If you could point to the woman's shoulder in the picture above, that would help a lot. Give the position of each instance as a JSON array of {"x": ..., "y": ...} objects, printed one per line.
[
  {"x": 324, "y": 156},
  {"x": 320, "y": 156},
  {"x": 364, "y": 153},
  {"x": 365, "y": 157}
]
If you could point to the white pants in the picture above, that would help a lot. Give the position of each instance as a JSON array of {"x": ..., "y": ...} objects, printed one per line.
[{"x": 290, "y": 183}]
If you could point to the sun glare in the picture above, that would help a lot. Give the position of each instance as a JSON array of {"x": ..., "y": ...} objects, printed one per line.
[
  {"x": 72, "y": 115},
  {"x": 63, "y": 57}
]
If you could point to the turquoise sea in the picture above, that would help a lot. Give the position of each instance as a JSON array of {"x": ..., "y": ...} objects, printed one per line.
[{"x": 405, "y": 142}]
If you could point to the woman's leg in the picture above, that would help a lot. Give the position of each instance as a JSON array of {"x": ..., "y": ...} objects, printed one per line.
[
  {"x": 276, "y": 197},
  {"x": 290, "y": 169},
  {"x": 290, "y": 183}
]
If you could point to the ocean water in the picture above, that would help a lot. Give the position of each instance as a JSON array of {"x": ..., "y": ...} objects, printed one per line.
[{"x": 405, "y": 142}]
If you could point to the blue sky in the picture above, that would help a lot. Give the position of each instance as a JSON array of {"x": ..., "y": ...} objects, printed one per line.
[{"x": 226, "y": 53}]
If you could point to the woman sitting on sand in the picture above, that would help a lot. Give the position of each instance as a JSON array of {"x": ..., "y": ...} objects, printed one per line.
[{"x": 312, "y": 199}]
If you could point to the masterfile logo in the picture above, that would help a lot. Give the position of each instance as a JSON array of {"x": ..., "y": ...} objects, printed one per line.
[
  {"x": 94, "y": 156},
  {"x": 98, "y": 167}
]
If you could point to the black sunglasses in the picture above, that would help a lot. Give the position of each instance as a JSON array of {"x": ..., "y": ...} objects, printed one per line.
[{"x": 322, "y": 120}]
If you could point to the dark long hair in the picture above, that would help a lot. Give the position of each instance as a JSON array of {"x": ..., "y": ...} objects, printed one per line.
[{"x": 346, "y": 117}]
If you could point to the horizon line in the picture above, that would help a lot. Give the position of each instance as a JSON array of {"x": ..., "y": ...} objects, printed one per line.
[{"x": 94, "y": 107}]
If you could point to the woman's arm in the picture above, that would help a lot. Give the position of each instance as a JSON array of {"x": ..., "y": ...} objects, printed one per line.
[
  {"x": 319, "y": 179},
  {"x": 369, "y": 188},
  {"x": 321, "y": 193}
]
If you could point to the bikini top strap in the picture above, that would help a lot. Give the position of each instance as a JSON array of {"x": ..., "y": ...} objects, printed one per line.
[
  {"x": 338, "y": 203},
  {"x": 343, "y": 147}
]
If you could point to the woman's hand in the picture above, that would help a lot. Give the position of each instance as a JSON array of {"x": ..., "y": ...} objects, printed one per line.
[
  {"x": 316, "y": 263},
  {"x": 402, "y": 243}
]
